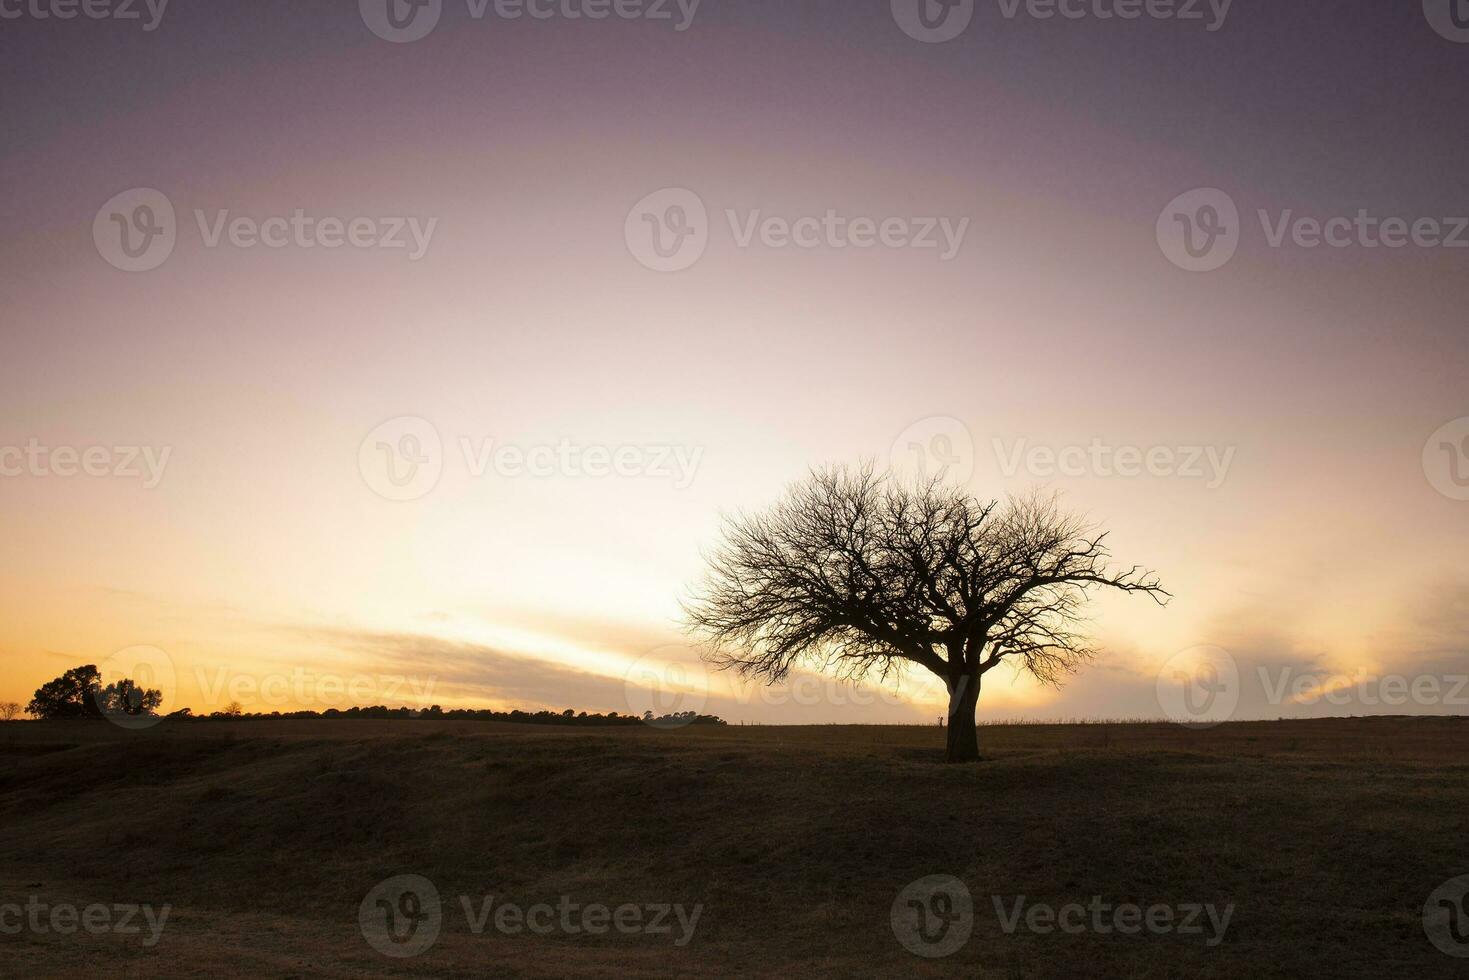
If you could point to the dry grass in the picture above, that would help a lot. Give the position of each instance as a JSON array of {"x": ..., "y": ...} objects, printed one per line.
[{"x": 265, "y": 836}]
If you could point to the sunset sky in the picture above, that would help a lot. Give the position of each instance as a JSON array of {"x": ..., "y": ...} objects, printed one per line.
[{"x": 1331, "y": 545}]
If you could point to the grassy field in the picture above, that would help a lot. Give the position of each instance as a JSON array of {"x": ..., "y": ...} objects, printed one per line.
[{"x": 264, "y": 838}]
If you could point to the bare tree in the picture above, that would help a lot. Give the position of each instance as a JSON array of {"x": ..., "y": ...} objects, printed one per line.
[
  {"x": 863, "y": 574},
  {"x": 9, "y": 710}
]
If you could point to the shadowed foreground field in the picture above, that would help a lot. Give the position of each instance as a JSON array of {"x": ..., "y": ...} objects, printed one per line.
[{"x": 265, "y": 837}]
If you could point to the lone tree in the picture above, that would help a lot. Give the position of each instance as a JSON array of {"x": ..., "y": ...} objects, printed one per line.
[{"x": 863, "y": 574}]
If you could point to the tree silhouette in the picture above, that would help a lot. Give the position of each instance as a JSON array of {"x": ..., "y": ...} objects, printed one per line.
[
  {"x": 126, "y": 698},
  {"x": 72, "y": 695},
  {"x": 861, "y": 574},
  {"x": 79, "y": 693}
]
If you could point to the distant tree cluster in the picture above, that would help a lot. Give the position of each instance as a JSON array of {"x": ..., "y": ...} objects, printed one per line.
[{"x": 79, "y": 693}]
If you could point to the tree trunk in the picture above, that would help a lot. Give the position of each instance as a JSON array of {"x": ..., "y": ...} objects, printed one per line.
[{"x": 963, "y": 744}]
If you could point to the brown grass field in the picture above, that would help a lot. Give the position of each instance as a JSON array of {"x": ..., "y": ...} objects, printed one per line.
[{"x": 265, "y": 836}]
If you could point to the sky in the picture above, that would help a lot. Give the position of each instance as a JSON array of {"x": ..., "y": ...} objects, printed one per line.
[{"x": 419, "y": 369}]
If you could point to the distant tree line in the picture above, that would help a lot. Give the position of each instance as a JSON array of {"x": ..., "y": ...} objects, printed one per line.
[
  {"x": 569, "y": 717},
  {"x": 80, "y": 693}
]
